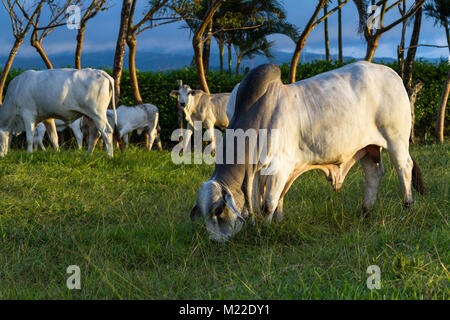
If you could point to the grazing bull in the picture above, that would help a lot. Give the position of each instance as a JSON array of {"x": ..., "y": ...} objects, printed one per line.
[
  {"x": 142, "y": 118},
  {"x": 66, "y": 94},
  {"x": 328, "y": 122},
  {"x": 210, "y": 109}
]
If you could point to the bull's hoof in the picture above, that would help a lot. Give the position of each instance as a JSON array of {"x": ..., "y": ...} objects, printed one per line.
[
  {"x": 278, "y": 216},
  {"x": 365, "y": 212},
  {"x": 408, "y": 205}
]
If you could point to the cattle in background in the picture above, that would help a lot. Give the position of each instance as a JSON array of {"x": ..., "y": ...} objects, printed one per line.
[
  {"x": 141, "y": 118},
  {"x": 65, "y": 94},
  {"x": 210, "y": 109},
  {"x": 328, "y": 122}
]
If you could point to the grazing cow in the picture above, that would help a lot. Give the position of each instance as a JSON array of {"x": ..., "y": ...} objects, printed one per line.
[
  {"x": 328, "y": 122},
  {"x": 66, "y": 94},
  {"x": 210, "y": 109},
  {"x": 142, "y": 118}
]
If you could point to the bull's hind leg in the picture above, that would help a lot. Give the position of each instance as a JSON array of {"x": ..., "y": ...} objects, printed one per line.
[
  {"x": 399, "y": 154},
  {"x": 373, "y": 172},
  {"x": 107, "y": 135},
  {"x": 52, "y": 133},
  {"x": 93, "y": 135}
]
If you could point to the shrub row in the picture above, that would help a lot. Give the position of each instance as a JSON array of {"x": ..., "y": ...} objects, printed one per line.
[{"x": 155, "y": 88}]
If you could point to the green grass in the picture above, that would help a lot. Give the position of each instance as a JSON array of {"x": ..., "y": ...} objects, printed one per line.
[{"x": 125, "y": 222}]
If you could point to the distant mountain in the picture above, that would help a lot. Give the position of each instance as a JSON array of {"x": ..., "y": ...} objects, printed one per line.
[{"x": 156, "y": 61}]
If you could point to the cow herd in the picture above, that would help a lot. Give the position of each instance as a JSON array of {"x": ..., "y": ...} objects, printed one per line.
[{"x": 328, "y": 122}]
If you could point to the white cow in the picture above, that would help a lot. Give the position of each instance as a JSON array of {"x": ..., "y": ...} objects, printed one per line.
[
  {"x": 328, "y": 122},
  {"x": 141, "y": 118},
  {"x": 66, "y": 94},
  {"x": 210, "y": 109}
]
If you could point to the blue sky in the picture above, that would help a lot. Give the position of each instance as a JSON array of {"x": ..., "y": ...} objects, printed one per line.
[{"x": 102, "y": 31}]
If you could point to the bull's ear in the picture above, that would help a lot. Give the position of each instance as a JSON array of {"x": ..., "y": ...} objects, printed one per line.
[
  {"x": 232, "y": 205},
  {"x": 174, "y": 93},
  {"x": 195, "y": 214}
]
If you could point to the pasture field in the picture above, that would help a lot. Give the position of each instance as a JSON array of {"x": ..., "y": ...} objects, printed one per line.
[{"x": 125, "y": 223}]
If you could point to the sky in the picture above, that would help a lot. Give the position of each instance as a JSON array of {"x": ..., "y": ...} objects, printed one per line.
[{"x": 101, "y": 34}]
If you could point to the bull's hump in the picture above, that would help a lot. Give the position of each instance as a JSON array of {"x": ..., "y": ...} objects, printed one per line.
[{"x": 255, "y": 85}]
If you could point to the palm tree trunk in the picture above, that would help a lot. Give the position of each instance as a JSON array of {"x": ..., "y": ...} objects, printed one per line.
[
  {"x": 327, "y": 40},
  {"x": 207, "y": 49},
  {"x": 131, "y": 42},
  {"x": 239, "y": 60},
  {"x": 341, "y": 56},
  {"x": 408, "y": 69},
  {"x": 80, "y": 39},
  {"x": 440, "y": 119},
  {"x": 230, "y": 58},
  {"x": 8, "y": 64},
  {"x": 120, "y": 47}
]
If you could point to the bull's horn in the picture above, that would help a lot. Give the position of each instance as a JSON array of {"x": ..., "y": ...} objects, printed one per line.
[{"x": 230, "y": 203}]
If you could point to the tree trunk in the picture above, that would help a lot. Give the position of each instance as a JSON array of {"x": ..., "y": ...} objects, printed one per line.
[
  {"x": 341, "y": 56},
  {"x": 221, "y": 50},
  {"x": 230, "y": 58},
  {"x": 202, "y": 83},
  {"x": 440, "y": 119},
  {"x": 412, "y": 101},
  {"x": 301, "y": 42},
  {"x": 120, "y": 47},
  {"x": 80, "y": 38},
  {"x": 327, "y": 40},
  {"x": 37, "y": 45},
  {"x": 401, "y": 47},
  {"x": 207, "y": 49},
  {"x": 131, "y": 42},
  {"x": 238, "y": 62},
  {"x": 372, "y": 45},
  {"x": 8, "y": 65},
  {"x": 411, "y": 55}
]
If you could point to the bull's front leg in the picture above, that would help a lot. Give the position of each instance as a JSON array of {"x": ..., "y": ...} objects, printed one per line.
[
  {"x": 187, "y": 137},
  {"x": 272, "y": 204},
  {"x": 211, "y": 136}
]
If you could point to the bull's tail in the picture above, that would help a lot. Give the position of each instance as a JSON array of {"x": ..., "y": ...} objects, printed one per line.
[
  {"x": 116, "y": 133},
  {"x": 417, "y": 179}
]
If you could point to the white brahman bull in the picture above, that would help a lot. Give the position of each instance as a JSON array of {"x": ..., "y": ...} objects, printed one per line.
[
  {"x": 328, "y": 122},
  {"x": 210, "y": 109},
  {"x": 65, "y": 94},
  {"x": 141, "y": 118}
]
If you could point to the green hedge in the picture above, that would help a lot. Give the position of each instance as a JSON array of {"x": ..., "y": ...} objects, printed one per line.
[{"x": 155, "y": 89}]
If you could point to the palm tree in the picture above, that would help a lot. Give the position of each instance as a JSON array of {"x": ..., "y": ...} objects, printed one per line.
[
  {"x": 249, "y": 44},
  {"x": 439, "y": 10}
]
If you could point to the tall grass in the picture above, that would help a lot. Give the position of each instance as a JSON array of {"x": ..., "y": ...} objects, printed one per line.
[{"x": 125, "y": 223}]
